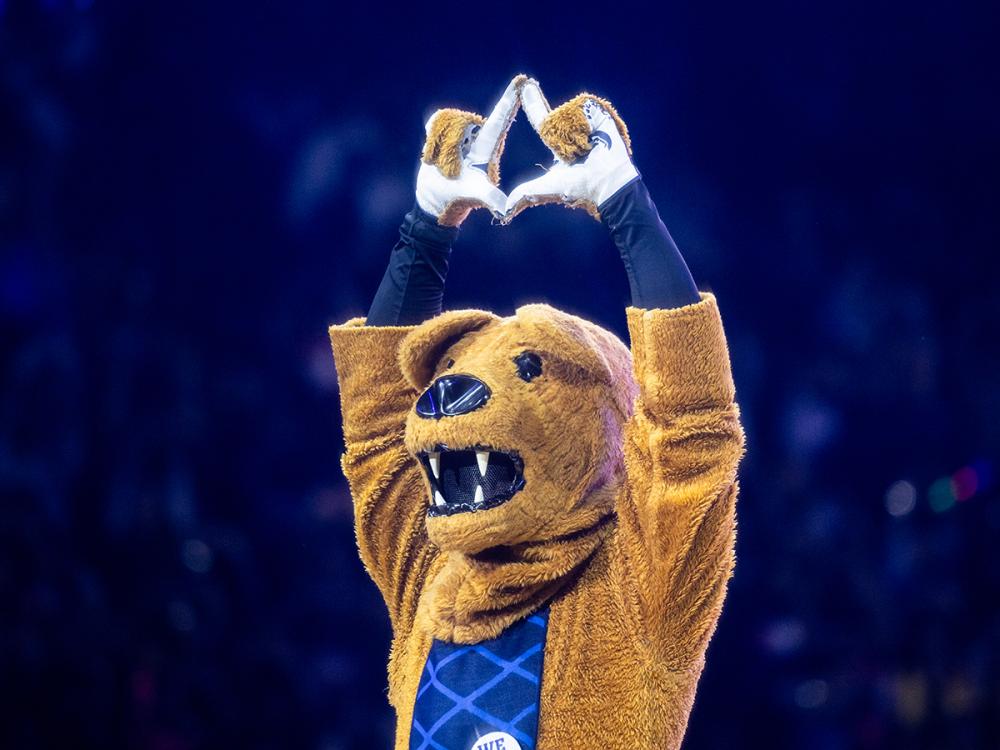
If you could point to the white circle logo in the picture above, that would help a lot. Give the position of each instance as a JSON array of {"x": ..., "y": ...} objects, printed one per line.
[{"x": 496, "y": 741}]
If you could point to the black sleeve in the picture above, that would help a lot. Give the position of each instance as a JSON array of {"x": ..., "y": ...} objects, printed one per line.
[
  {"x": 657, "y": 273},
  {"x": 412, "y": 288}
]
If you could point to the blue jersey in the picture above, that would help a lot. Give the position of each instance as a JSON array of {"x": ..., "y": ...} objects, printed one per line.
[{"x": 482, "y": 696}]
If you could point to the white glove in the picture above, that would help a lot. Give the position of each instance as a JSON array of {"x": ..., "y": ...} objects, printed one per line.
[
  {"x": 591, "y": 147},
  {"x": 460, "y": 166}
]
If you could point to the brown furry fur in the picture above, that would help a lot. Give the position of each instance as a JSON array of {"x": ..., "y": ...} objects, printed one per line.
[
  {"x": 543, "y": 200},
  {"x": 565, "y": 129},
  {"x": 456, "y": 212},
  {"x": 625, "y": 525},
  {"x": 443, "y": 147}
]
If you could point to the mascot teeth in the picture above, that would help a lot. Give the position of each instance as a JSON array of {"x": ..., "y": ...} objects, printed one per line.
[{"x": 468, "y": 479}]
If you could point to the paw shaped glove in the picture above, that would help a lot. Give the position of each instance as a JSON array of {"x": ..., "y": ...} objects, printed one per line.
[
  {"x": 460, "y": 166},
  {"x": 591, "y": 148}
]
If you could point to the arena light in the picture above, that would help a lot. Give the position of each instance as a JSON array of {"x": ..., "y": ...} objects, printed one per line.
[
  {"x": 964, "y": 483},
  {"x": 941, "y": 495},
  {"x": 900, "y": 498}
]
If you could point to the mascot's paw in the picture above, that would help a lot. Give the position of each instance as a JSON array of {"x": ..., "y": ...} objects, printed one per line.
[
  {"x": 591, "y": 148},
  {"x": 460, "y": 164},
  {"x": 572, "y": 129},
  {"x": 450, "y": 133}
]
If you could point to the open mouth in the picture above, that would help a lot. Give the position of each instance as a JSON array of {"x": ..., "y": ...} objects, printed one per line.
[{"x": 471, "y": 478}]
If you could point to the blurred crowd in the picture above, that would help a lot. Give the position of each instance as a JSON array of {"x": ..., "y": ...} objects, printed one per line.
[{"x": 190, "y": 195}]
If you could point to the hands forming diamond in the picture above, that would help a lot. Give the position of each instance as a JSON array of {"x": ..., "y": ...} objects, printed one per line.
[{"x": 459, "y": 171}]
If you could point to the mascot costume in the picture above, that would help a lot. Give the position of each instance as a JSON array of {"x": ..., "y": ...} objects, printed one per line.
[{"x": 548, "y": 515}]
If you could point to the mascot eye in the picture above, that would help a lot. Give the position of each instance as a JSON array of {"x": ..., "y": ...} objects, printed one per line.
[
  {"x": 529, "y": 365},
  {"x": 449, "y": 364}
]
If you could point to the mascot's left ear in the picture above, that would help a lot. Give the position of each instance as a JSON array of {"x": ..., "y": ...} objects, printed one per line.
[{"x": 423, "y": 347}]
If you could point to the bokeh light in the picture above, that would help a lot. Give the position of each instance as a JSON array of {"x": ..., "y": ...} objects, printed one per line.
[
  {"x": 964, "y": 483},
  {"x": 900, "y": 498},
  {"x": 941, "y": 495},
  {"x": 812, "y": 694},
  {"x": 197, "y": 556}
]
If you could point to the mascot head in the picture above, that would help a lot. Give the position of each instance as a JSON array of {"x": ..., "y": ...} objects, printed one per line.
[{"x": 518, "y": 425}]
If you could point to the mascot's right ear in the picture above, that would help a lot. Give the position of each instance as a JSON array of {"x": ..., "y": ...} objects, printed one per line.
[{"x": 424, "y": 346}]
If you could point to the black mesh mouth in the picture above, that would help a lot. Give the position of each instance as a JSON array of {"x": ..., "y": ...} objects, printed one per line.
[{"x": 470, "y": 479}]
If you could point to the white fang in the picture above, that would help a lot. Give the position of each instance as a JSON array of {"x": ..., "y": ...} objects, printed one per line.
[
  {"x": 483, "y": 459},
  {"x": 439, "y": 499},
  {"x": 479, "y": 494},
  {"x": 434, "y": 459}
]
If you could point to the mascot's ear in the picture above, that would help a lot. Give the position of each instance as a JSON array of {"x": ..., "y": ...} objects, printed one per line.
[{"x": 424, "y": 346}]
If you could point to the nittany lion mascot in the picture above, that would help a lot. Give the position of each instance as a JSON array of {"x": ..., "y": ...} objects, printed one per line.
[{"x": 548, "y": 515}]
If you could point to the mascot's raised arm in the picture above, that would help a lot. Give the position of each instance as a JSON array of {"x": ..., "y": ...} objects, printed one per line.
[{"x": 548, "y": 513}]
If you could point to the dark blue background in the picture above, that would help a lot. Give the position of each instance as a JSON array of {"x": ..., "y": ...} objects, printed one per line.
[{"x": 189, "y": 194}]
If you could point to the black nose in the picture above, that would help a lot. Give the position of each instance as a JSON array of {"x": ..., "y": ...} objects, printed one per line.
[{"x": 452, "y": 395}]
